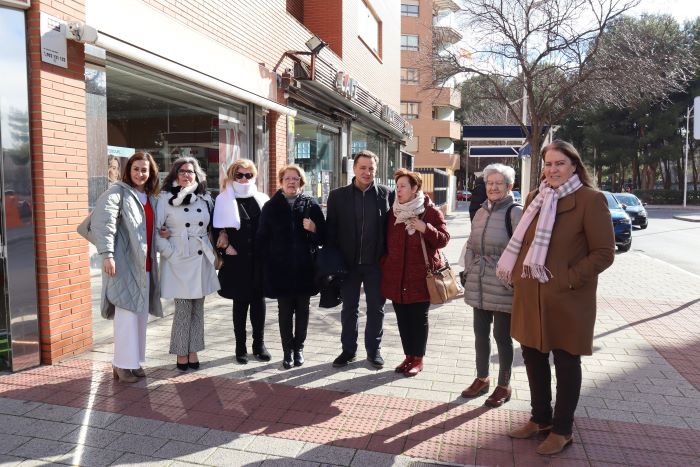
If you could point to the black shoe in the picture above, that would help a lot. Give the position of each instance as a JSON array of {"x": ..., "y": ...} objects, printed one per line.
[
  {"x": 193, "y": 365},
  {"x": 298, "y": 357},
  {"x": 343, "y": 359},
  {"x": 376, "y": 360},
  {"x": 262, "y": 354},
  {"x": 182, "y": 366},
  {"x": 241, "y": 355},
  {"x": 287, "y": 362}
]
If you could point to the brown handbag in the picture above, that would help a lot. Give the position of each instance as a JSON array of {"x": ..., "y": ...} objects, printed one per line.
[{"x": 443, "y": 285}]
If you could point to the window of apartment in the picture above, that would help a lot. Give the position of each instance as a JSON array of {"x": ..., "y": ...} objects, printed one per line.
[
  {"x": 409, "y": 76},
  {"x": 409, "y": 110},
  {"x": 370, "y": 28},
  {"x": 409, "y": 8},
  {"x": 409, "y": 42},
  {"x": 412, "y": 144}
]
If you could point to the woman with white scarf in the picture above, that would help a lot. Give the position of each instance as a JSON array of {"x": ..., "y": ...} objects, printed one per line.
[
  {"x": 187, "y": 256},
  {"x": 412, "y": 221},
  {"x": 564, "y": 240},
  {"x": 236, "y": 218}
]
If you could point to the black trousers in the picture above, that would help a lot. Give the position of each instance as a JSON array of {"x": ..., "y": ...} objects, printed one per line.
[
  {"x": 412, "y": 319},
  {"x": 257, "y": 321},
  {"x": 294, "y": 321},
  {"x": 539, "y": 376}
]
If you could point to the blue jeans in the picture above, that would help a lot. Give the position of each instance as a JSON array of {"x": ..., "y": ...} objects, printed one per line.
[{"x": 369, "y": 275}]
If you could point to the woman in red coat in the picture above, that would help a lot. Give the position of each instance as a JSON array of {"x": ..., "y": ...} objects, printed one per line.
[{"x": 411, "y": 217}]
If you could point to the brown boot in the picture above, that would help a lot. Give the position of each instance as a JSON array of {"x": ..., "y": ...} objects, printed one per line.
[
  {"x": 554, "y": 444},
  {"x": 477, "y": 388},
  {"x": 125, "y": 376},
  {"x": 529, "y": 430}
]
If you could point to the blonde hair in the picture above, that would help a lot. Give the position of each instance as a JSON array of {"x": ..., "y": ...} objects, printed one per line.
[
  {"x": 241, "y": 164},
  {"x": 295, "y": 167}
]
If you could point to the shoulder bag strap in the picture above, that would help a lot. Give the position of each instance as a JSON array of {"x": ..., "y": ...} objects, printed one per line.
[{"x": 425, "y": 253}]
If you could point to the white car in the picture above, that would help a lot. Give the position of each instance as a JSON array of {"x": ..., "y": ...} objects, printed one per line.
[{"x": 517, "y": 197}]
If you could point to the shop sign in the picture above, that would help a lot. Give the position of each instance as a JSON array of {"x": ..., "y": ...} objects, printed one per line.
[
  {"x": 54, "y": 49},
  {"x": 24, "y": 4},
  {"x": 389, "y": 114},
  {"x": 345, "y": 85},
  {"x": 119, "y": 151}
]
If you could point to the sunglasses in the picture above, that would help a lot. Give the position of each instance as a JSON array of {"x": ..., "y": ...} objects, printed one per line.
[{"x": 239, "y": 176}]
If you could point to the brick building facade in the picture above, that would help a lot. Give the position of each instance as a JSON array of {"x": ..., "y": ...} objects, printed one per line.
[{"x": 216, "y": 80}]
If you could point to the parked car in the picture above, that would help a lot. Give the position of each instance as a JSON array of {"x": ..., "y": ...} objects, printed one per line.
[
  {"x": 621, "y": 222},
  {"x": 517, "y": 197},
  {"x": 464, "y": 195},
  {"x": 635, "y": 208}
]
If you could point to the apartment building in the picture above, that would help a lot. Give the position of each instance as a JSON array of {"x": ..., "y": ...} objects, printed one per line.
[
  {"x": 276, "y": 81},
  {"x": 427, "y": 27}
]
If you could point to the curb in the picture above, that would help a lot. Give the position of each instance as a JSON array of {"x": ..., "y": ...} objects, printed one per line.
[{"x": 688, "y": 217}]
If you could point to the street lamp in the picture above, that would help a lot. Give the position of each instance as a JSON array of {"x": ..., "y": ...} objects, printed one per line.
[{"x": 685, "y": 132}]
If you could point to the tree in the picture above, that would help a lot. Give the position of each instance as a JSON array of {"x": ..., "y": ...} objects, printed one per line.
[{"x": 565, "y": 54}]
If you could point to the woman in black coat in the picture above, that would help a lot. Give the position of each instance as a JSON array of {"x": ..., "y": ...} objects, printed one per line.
[
  {"x": 236, "y": 218},
  {"x": 291, "y": 227}
]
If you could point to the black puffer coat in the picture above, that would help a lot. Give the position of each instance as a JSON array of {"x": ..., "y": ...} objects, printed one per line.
[{"x": 285, "y": 246}]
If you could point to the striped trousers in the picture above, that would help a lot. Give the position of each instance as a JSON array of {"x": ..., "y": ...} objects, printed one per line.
[{"x": 188, "y": 326}]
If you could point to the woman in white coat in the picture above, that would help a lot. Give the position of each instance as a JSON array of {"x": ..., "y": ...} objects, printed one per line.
[{"x": 187, "y": 256}]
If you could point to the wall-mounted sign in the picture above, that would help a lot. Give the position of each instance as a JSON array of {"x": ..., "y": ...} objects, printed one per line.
[
  {"x": 24, "y": 4},
  {"x": 389, "y": 114},
  {"x": 119, "y": 151},
  {"x": 54, "y": 49},
  {"x": 345, "y": 85}
]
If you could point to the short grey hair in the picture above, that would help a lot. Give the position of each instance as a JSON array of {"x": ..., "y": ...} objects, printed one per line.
[{"x": 507, "y": 171}]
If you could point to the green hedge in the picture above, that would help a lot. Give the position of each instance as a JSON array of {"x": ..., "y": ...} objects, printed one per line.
[{"x": 667, "y": 196}]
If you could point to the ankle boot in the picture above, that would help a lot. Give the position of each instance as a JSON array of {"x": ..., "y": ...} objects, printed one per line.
[
  {"x": 261, "y": 353},
  {"x": 415, "y": 367},
  {"x": 125, "y": 376},
  {"x": 241, "y": 354},
  {"x": 287, "y": 361},
  {"x": 298, "y": 357},
  {"x": 402, "y": 367}
]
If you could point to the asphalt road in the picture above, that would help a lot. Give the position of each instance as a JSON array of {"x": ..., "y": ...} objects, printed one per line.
[{"x": 670, "y": 240}]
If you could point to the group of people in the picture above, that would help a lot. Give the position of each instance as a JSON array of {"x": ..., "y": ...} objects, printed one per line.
[
  {"x": 533, "y": 273},
  {"x": 530, "y": 271}
]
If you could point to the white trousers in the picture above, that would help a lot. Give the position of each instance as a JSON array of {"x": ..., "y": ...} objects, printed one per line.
[{"x": 130, "y": 336}]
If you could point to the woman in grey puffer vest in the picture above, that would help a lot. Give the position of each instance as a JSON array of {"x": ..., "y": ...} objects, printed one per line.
[
  {"x": 122, "y": 222},
  {"x": 491, "y": 299}
]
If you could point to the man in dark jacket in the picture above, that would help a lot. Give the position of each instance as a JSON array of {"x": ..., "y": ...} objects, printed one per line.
[
  {"x": 478, "y": 197},
  {"x": 356, "y": 226}
]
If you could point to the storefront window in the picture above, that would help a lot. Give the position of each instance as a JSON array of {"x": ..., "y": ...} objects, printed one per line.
[
  {"x": 392, "y": 162},
  {"x": 365, "y": 139},
  {"x": 315, "y": 149},
  {"x": 149, "y": 112}
]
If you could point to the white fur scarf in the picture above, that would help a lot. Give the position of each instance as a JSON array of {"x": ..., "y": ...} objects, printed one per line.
[
  {"x": 226, "y": 213},
  {"x": 180, "y": 194},
  {"x": 407, "y": 211}
]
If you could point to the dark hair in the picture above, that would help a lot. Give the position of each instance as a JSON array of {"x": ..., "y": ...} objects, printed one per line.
[
  {"x": 152, "y": 186},
  {"x": 414, "y": 178},
  {"x": 365, "y": 153},
  {"x": 569, "y": 151},
  {"x": 199, "y": 174}
]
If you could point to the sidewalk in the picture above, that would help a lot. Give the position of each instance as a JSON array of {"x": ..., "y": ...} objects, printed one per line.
[{"x": 640, "y": 403}]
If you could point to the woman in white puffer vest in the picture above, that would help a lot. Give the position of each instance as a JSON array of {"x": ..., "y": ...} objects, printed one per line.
[{"x": 491, "y": 299}]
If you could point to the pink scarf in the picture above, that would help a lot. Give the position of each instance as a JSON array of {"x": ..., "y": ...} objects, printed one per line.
[{"x": 545, "y": 203}]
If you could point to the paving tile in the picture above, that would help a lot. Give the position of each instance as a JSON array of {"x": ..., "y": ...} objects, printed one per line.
[
  {"x": 375, "y": 459},
  {"x": 94, "y": 418},
  {"x": 42, "y": 449},
  {"x": 16, "y": 407},
  {"x": 90, "y": 456},
  {"x": 9, "y": 443},
  {"x": 174, "y": 431},
  {"x": 226, "y": 439},
  {"x": 11, "y": 461},
  {"x": 135, "y": 425},
  {"x": 286, "y": 462},
  {"x": 228, "y": 457},
  {"x": 137, "y": 444},
  {"x": 142, "y": 461},
  {"x": 45, "y": 429},
  {"x": 54, "y": 413},
  {"x": 323, "y": 453},
  {"x": 187, "y": 452},
  {"x": 91, "y": 436}
]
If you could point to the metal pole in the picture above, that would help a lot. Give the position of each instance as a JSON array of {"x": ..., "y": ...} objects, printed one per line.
[{"x": 685, "y": 150}]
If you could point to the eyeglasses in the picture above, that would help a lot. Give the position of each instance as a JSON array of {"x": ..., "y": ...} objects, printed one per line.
[
  {"x": 185, "y": 172},
  {"x": 239, "y": 176},
  {"x": 291, "y": 179},
  {"x": 495, "y": 184}
]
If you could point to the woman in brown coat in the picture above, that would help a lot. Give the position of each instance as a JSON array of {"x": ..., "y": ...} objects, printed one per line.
[{"x": 563, "y": 241}]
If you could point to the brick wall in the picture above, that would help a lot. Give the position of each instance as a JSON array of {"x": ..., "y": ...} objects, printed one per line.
[
  {"x": 325, "y": 19},
  {"x": 59, "y": 173}
]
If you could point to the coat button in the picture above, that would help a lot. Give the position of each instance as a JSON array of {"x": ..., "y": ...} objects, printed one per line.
[
  {"x": 187, "y": 209},
  {"x": 199, "y": 210},
  {"x": 187, "y": 225},
  {"x": 201, "y": 223},
  {"x": 199, "y": 252}
]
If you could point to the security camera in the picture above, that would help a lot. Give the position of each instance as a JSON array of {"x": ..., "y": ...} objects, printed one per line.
[{"x": 80, "y": 32}]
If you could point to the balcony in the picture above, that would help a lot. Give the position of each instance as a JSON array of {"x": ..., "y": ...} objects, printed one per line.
[
  {"x": 437, "y": 128},
  {"x": 447, "y": 97},
  {"x": 441, "y": 5},
  {"x": 445, "y": 28}
]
